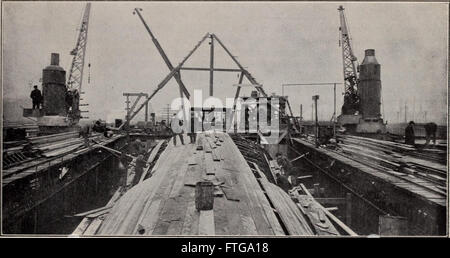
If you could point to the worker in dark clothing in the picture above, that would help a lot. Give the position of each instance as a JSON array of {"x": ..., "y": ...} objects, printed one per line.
[
  {"x": 69, "y": 100},
  {"x": 430, "y": 130},
  {"x": 124, "y": 160},
  {"x": 36, "y": 97},
  {"x": 139, "y": 169},
  {"x": 283, "y": 182},
  {"x": 177, "y": 130},
  {"x": 196, "y": 123},
  {"x": 287, "y": 167},
  {"x": 99, "y": 127},
  {"x": 409, "y": 134}
]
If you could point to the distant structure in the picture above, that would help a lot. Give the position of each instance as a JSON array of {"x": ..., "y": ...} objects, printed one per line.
[
  {"x": 362, "y": 97},
  {"x": 61, "y": 100}
]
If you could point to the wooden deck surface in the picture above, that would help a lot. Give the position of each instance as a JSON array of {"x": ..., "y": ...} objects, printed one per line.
[{"x": 164, "y": 204}]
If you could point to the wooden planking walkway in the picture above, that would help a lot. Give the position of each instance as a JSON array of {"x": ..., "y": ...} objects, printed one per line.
[{"x": 164, "y": 204}]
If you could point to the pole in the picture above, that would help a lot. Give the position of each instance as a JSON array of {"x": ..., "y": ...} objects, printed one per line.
[
  {"x": 334, "y": 115},
  {"x": 168, "y": 113},
  {"x": 301, "y": 112},
  {"x": 128, "y": 120},
  {"x": 211, "y": 66},
  {"x": 146, "y": 112},
  {"x": 406, "y": 110},
  {"x": 315, "y": 98}
]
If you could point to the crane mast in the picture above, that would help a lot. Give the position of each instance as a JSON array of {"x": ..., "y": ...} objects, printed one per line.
[
  {"x": 76, "y": 70},
  {"x": 351, "y": 99}
]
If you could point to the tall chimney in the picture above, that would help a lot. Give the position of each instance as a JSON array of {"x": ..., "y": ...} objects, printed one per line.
[{"x": 54, "y": 59}]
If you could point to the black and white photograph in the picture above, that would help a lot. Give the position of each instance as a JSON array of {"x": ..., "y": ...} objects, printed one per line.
[{"x": 224, "y": 119}]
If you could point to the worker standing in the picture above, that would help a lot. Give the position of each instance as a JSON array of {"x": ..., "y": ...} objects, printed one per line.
[
  {"x": 287, "y": 167},
  {"x": 430, "y": 130},
  {"x": 139, "y": 168},
  {"x": 124, "y": 160},
  {"x": 196, "y": 123},
  {"x": 283, "y": 182},
  {"x": 69, "y": 100},
  {"x": 176, "y": 125},
  {"x": 36, "y": 97},
  {"x": 409, "y": 134}
]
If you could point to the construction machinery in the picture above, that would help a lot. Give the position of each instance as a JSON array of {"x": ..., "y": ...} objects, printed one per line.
[
  {"x": 362, "y": 92},
  {"x": 76, "y": 69}
]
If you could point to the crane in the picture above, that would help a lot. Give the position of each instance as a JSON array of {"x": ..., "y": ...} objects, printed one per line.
[
  {"x": 76, "y": 69},
  {"x": 351, "y": 99}
]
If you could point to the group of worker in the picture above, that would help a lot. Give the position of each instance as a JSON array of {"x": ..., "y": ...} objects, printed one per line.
[
  {"x": 37, "y": 98},
  {"x": 430, "y": 133},
  {"x": 179, "y": 131}
]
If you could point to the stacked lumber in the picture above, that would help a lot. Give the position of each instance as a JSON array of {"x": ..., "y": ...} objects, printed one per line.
[
  {"x": 395, "y": 158},
  {"x": 66, "y": 149}
]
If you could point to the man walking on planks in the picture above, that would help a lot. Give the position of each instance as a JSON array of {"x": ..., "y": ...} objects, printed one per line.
[{"x": 176, "y": 125}]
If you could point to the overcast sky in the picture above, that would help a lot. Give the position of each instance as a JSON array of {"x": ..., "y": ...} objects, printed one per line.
[{"x": 277, "y": 42}]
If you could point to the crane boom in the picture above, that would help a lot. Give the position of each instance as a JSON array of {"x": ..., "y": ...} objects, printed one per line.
[
  {"x": 351, "y": 100},
  {"x": 163, "y": 55},
  {"x": 76, "y": 69}
]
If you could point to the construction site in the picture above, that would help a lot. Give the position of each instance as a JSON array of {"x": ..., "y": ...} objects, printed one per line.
[{"x": 187, "y": 151}]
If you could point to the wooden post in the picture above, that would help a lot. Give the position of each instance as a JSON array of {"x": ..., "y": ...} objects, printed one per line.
[
  {"x": 204, "y": 195},
  {"x": 301, "y": 112},
  {"x": 146, "y": 112},
  {"x": 348, "y": 209},
  {"x": 211, "y": 67},
  {"x": 316, "y": 130}
]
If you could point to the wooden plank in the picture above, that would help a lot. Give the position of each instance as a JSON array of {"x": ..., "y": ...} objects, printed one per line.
[
  {"x": 148, "y": 222},
  {"x": 172, "y": 209},
  {"x": 292, "y": 219},
  {"x": 254, "y": 203},
  {"x": 82, "y": 226},
  {"x": 223, "y": 217},
  {"x": 92, "y": 211},
  {"x": 234, "y": 217},
  {"x": 191, "y": 219},
  {"x": 151, "y": 158},
  {"x": 206, "y": 223},
  {"x": 93, "y": 227},
  {"x": 99, "y": 213},
  {"x": 130, "y": 210}
]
